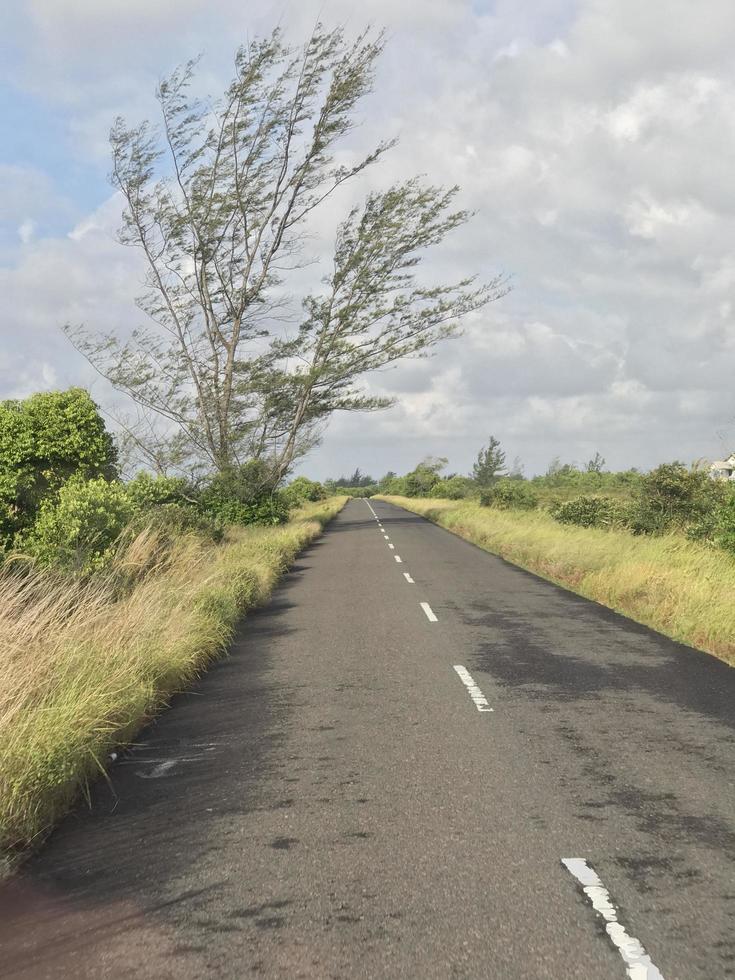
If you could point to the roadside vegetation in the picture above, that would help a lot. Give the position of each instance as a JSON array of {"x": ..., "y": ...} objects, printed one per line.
[
  {"x": 658, "y": 547},
  {"x": 114, "y": 594}
]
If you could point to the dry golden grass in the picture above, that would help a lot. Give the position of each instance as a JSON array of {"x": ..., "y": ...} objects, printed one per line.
[
  {"x": 683, "y": 589},
  {"x": 82, "y": 667}
]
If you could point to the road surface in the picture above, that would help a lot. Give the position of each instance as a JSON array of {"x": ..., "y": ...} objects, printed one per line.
[{"x": 419, "y": 762}]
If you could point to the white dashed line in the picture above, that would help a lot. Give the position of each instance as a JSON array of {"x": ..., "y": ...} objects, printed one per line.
[
  {"x": 386, "y": 536},
  {"x": 408, "y": 578},
  {"x": 637, "y": 961},
  {"x": 392, "y": 547},
  {"x": 429, "y": 612},
  {"x": 371, "y": 508},
  {"x": 398, "y": 558},
  {"x": 479, "y": 699}
]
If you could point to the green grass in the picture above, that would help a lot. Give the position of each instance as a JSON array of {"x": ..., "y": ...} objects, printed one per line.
[
  {"x": 683, "y": 589},
  {"x": 83, "y": 668}
]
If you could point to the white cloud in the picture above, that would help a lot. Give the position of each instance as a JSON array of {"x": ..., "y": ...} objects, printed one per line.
[{"x": 594, "y": 140}]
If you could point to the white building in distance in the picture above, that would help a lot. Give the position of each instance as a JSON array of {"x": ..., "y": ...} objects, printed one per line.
[{"x": 723, "y": 469}]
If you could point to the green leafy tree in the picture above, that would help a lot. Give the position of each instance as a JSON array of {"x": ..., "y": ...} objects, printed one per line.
[
  {"x": 44, "y": 441},
  {"x": 490, "y": 464},
  {"x": 219, "y": 202}
]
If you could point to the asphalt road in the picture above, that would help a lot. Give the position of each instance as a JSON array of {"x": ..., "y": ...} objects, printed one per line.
[{"x": 336, "y": 799}]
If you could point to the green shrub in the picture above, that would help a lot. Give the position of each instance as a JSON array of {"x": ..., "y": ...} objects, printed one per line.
[
  {"x": 172, "y": 520},
  {"x": 452, "y": 488},
  {"x": 301, "y": 490},
  {"x": 243, "y": 495},
  {"x": 76, "y": 530},
  {"x": 588, "y": 511},
  {"x": 673, "y": 497},
  {"x": 146, "y": 490},
  {"x": 44, "y": 441},
  {"x": 724, "y": 534},
  {"x": 397, "y": 487},
  {"x": 513, "y": 495}
]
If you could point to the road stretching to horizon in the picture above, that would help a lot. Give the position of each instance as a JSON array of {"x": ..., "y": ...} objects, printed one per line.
[{"x": 418, "y": 761}]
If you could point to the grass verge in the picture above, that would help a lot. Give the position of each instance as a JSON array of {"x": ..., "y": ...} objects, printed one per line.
[
  {"x": 677, "y": 587},
  {"x": 84, "y": 667}
]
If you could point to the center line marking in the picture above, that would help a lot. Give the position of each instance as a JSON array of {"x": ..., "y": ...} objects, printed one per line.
[
  {"x": 429, "y": 612},
  {"x": 479, "y": 699},
  {"x": 398, "y": 558},
  {"x": 371, "y": 508},
  {"x": 392, "y": 547},
  {"x": 637, "y": 960},
  {"x": 386, "y": 536},
  {"x": 408, "y": 578}
]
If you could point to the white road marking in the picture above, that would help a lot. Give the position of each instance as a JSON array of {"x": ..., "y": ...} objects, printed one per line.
[
  {"x": 398, "y": 558},
  {"x": 386, "y": 536},
  {"x": 429, "y": 612},
  {"x": 371, "y": 508},
  {"x": 392, "y": 547},
  {"x": 637, "y": 961},
  {"x": 408, "y": 578},
  {"x": 479, "y": 699}
]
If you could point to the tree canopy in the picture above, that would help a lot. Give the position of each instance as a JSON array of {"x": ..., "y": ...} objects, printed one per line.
[{"x": 218, "y": 200}]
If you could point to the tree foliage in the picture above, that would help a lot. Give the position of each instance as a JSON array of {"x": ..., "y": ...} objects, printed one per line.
[
  {"x": 44, "y": 441},
  {"x": 490, "y": 464},
  {"x": 218, "y": 200}
]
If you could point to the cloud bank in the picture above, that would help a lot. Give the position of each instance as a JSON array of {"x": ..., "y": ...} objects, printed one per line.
[{"x": 592, "y": 139}]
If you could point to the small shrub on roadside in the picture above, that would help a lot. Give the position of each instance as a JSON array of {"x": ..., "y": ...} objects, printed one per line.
[
  {"x": 588, "y": 511},
  {"x": 452, "y": 488},
  {"x": 301, "y": 490},
  {"x": 674, "y": 497},
  {"x": 77, "y": 529},
  {"x": 145, "y": 490},
  {"x": 244, "y": 495},
  {"x": 44, "y": 441},
  {"x": 170, "y": 521},
  {"x": 513, "y": 495}
]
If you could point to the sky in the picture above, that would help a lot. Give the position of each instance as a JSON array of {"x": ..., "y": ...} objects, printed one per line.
[{"x": 594, "y": 141}]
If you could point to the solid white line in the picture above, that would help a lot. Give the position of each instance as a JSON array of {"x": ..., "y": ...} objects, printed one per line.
[
  {"x": 392, "y": 547},
  {"x": 637, "y": 960},
  {"x": 398, "y": 558},
  {"x": 478, "y": 698},
  {"x": 429, "y": 612},
  {"x": 371, "y": 508},
  {"x": 408, "y": 578}
]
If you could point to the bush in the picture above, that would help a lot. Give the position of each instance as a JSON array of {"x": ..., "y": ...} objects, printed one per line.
[
  {"x": 724, "y": 534},
  {"x": 588, "y": 511},
  {"x": 397, "y": 487},
  {"x": 171, "y": 521},
  {"x": 673, "y": 497},
  {"x": 153, "y": 491},
  {"x": 513, "y": 495},
  {"x": 243, "y": 495},
  {"x": 301, "y": 490},
  {"x": 44, "y": 441},
  {"x": 77, "y": 529},
  {"x": 452, "y": 488}
]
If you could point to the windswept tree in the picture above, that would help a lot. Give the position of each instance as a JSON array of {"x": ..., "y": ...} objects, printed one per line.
[
  {"x": 490, "y": 464},
  {"x": 218, "y": 198}
]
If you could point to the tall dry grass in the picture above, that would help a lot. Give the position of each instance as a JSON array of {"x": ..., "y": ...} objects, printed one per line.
[
  {"x": 83, "y": 666},
  {"x": 681, "y": 588}
]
